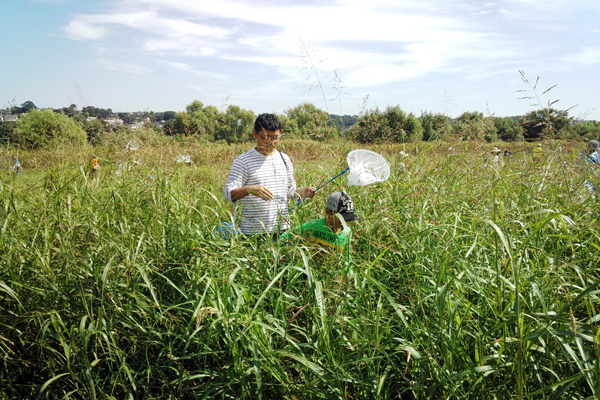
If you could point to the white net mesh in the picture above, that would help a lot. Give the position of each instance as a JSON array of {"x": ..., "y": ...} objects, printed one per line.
[
  {"x": 184, "y": 159},
  {"x": 132, "y": 145},
  {"x": 367, "y": 167}
]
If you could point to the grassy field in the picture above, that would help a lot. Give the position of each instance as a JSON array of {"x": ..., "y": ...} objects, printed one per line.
[{"x": 470, "y": 282}]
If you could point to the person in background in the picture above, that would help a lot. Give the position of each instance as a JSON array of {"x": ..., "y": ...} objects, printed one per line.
[
  {"x": 593, "y": 152},
  {"x": 497, "y": 162},
  {"x": 401, "y": 157},
  {"x": 589, "y": 159},
  {"x": 332, "y": 234},
  {"x": 262, "y": 179},
  {"x": 537, "y": 153},
  {"x": 94, "y": 165},
  {"x": 17, "y": 166}
]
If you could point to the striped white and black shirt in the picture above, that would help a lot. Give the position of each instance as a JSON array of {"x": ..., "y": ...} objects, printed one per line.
[{"x": 253, "y": 168}]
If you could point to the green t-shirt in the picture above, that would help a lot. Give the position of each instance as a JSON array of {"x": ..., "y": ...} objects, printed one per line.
[{"x": 317, "y": 232}]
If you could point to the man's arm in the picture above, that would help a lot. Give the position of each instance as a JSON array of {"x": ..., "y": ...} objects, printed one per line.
[{"x": 235, "y": 187}]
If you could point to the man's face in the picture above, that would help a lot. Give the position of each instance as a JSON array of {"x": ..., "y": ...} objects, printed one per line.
[{"x": 267, "y": 140}]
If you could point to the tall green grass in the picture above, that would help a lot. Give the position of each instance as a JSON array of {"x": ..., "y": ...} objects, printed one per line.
[{"x": 469, "y": 282}]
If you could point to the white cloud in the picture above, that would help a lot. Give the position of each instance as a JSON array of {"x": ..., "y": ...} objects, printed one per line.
[
  {"x": 383, "y": 73},
  {"x": 586, "y": 56},
  {"x": 373, "y": 43},
  {"x": 83, "y": 30},
  {"x": 178, "y": 66},
  {"x": 182, "y": 27},
  {"x": 265, "y": 60},
  {"x": 95, "y": 27},
  {"x": 180, "y": 46},
  {"x": 112, "y": 65}
]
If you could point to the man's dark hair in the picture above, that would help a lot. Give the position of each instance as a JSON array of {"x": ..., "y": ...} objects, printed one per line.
[{"x": 268, "y": 122}]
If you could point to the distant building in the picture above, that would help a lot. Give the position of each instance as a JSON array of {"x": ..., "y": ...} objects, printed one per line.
[
  {"x": 137, "y": 125},
  {"x": 9, "y": 117},
  {"x": 114, "y": 121}
]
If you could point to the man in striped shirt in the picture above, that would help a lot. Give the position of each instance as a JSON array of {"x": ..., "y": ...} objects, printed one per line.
[{"x": 263, "y": 180}]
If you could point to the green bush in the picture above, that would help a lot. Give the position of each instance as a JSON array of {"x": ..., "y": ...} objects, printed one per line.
[
  {"x": 45, "y": 128},
  {"x": 197, "y": 120},
  {"x": 120, "y": 136},
  {"x": 306, "y": 120},
  {"x": 95, "y": 128},
  {"x": 508, "y": 129},
  {"x": 235, "y": 125},
  {"x": 7, "y": 130},
  {"x": 547, "y": 123},
  {"x": 473, "y": 126},
  {"x": 435, "y": 126},
  {"x": 391, "y": 126},
  {"x": 588, "y": 129}
]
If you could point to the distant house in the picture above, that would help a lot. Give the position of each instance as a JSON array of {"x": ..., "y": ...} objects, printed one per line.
[
  {"x": 91, "y": 118},
  {"x": 114, "y": 121},
  {"x": 140, "y": 124},
  {"x": 9, "y": 117},
  {"x": 136, "y": 125}
]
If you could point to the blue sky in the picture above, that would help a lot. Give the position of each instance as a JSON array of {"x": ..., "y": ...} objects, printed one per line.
[{"x": 441, "y": 56}]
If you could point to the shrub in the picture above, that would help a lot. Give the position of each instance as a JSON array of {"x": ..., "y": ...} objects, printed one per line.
[
  {"x": 197, "y": 120},
  {"x": 588, "y": 129},
  {"x": 434, "y": 125},
  {"x": 235, "y": 125},
  {"x": 120, "y": 136},
  {"x": 95, "y": 128},
  {"x": 7, "y": 130},
  {"x": 547, "y": 123},
  {"x": 508, "y": 129},
  {"x": 393, "y": 126},
  {"x": 289, "y": 127},
  {"x": 370, "y": 128},
  {"x": 473, "y": 126},
  {"x": 44, "y": 128},
  {"x": 306, "y": 120}
]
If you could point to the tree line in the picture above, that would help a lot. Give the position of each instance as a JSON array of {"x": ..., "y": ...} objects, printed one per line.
[{"x": 40, "y": 128}]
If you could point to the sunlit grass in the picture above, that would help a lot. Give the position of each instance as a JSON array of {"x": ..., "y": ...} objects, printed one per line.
[{"x": 470, "y": 282}]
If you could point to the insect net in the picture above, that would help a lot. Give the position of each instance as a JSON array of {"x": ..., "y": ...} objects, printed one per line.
[
  {"x": 366, "y": 167},
  {"x": 132, "y": 145}
]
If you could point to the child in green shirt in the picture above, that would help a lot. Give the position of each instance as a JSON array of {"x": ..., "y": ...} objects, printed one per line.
[{"x": 331, "y": 233}]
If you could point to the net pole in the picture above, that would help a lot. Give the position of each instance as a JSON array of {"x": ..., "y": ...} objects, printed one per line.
[{"x": 301, "y": 199}]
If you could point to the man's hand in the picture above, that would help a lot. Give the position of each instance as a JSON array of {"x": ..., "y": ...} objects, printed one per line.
[
  {"x": 260, "y": 191},
  {"x": 308, "y": 191}
]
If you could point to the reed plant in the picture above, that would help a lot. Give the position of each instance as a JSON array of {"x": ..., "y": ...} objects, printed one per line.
[{"x": 469, "y": 282}]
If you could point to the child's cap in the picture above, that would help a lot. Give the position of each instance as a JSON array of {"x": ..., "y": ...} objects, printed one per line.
[{"x": 340, "y": 202}]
